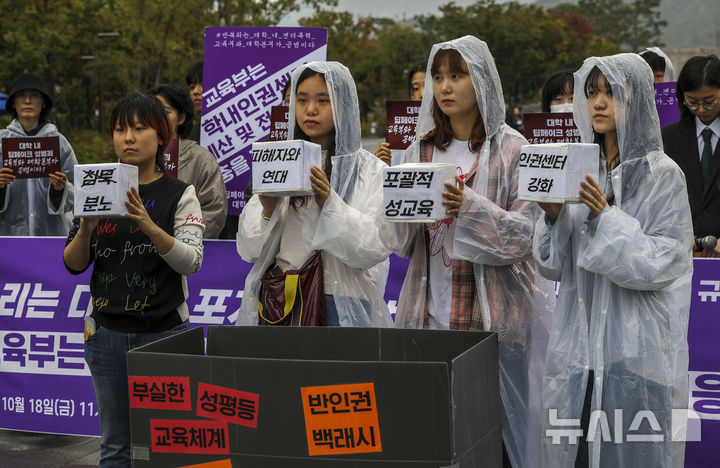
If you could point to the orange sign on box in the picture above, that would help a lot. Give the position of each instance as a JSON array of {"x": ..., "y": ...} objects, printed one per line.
[
  {"x": 341, "y": 419},
  {"x": 216, "y": 464}
]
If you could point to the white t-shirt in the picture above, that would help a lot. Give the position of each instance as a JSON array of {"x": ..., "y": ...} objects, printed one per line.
[
  {"x": 296, "y": 240},
  {"x": 440, "y": 246}
]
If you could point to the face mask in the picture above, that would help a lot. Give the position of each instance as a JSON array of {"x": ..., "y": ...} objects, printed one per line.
[{"x": 567, "y": 107}]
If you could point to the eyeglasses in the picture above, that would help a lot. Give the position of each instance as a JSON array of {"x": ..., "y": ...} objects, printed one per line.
[{"x": 705, "y": 105}]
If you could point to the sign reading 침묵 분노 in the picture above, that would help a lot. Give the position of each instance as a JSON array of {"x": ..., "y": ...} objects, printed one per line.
[{"x": 341, "y": 419}]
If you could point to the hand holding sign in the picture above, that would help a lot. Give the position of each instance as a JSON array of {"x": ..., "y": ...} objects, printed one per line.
[
  {"x": 58, "y": 180},
  {"x": 268, "y": 205},
  {"x": 87, "y": 226},
  {"x": 6, "y": 177},
  {"x": 138, "y": 213},
  {"x": 592, "y": 195},
  {"x": 452, "y": 199},
  {"x": 320, "y": 185},
  {"x": 383, "y": 152},
  {"x": 552, "y": 210}
]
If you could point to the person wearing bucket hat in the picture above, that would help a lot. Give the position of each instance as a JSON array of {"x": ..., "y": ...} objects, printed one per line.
[{"x": 37, "y": 206}]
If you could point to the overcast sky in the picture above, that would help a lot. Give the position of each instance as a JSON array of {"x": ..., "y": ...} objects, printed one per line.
[{"x": 382, "y": 8}]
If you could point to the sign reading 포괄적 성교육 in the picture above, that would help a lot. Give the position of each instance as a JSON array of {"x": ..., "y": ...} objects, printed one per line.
[{"x": 245, "y": 70}]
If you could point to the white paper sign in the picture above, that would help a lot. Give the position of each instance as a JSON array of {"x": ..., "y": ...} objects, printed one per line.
[
  {"x": 101, "y": 189},
  {"x": 553, "y": 172},
  {"x": 282, "y": 168},
  {"x": 412, "y": 192}
]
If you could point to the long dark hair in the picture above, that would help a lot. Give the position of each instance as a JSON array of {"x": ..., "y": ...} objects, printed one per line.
[
  {"x": 560, "y": 82},
  {"x": 149, "y": 111},
  {"x": 179, "y": 99},
  {"x": 699, "y": 71},
  {"x": 307, "y": 73},
  {"x": 442, "y": 134}
]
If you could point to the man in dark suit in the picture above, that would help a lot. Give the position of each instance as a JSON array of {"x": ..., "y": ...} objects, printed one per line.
[{"x": 693, "y": 143}]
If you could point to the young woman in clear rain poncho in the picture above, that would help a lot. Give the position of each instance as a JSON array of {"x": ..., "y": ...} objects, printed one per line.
[
  {"x": 474, "y": 270},
  {"x": 623, "y": 258},
  {"x": 339, "y": 221},
  {"x": 660, "y": 63}
]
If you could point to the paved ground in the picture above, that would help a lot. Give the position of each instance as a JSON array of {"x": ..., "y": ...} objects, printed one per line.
[{"x": 35, "y": 450}]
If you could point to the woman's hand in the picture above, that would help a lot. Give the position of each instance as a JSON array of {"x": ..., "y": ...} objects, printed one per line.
[
  {"x": 552, "y": 209},
  {"x": 712, "y": 253},
  {"x": 58, "y": 180},
  {"x": 592, "y": 195},
  {"x": 320, "y": 185},
  {"x": 6, "y": 177},
  {"x": 268, "y": 205},
  {"x": 453, "y": 197},
  {"x": 138, "y": 213},
  {"x": 383, "y": 152},
  {"x": 87, "y": 226}
]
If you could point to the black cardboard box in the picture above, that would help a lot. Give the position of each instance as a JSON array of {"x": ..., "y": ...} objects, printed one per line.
[{"x": 436, "y": 394}]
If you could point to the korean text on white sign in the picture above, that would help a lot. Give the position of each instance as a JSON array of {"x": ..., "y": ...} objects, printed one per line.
[
  {"x": 412, "y": 192},
  {"x": 553, "y": 172},
  {"x": 282, "y": 168},
  {"x": 101, "y": 189}
]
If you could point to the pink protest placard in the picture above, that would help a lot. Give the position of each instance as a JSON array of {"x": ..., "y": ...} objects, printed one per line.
[
  {"x": 31, "y": 158},
  {"x": 546, "y": 127}
]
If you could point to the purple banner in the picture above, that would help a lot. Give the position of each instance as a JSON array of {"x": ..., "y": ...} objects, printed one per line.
[
  {"x": 245, "y": 70},
  {"x": 45, "y": 384},
  {"x": 667, "y": 103},
  {"x": 704, "y": 375}
]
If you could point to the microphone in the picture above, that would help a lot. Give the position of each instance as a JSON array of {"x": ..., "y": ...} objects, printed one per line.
[{"x": 707, "y": 242}]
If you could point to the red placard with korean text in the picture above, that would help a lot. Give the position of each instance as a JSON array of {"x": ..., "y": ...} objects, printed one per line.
[
  {"x": 227, "y": 404},
  {"x": 31, "y": 158},
  {"x": 153, "y": 392},
  {"x": 279, "y": 123},
  {"x": 546, "y": 127},
  {"x": 402, "y": 117},
  {"x": 341, "y": 419},
  {"x": 189, "y": 436},
  {"x": 172, "y": 151}
]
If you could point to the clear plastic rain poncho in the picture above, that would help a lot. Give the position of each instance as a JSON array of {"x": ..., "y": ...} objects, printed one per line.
[
  {"x": 669, "y": 70},
  {"x": 622, "y": 309},
  {"x": 494, "y": 231},
  {"x": 27, "y": 210},
  {"x": 346, "y": 232}
]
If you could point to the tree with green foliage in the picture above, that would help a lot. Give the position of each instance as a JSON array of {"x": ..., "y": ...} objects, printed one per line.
[{"x": 633, "y": 25}]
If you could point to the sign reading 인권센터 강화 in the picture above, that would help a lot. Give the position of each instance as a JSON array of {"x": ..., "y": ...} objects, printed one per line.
[{"x": 245, "y": 70}]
